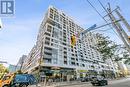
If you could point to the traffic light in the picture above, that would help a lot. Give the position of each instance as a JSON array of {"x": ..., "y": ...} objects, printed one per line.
[{"x": 73, "y": 40}]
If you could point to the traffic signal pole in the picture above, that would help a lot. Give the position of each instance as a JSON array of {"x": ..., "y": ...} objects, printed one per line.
[
  {"x": 126, "y": 24},
  {"x": 123, "y": 20},
  {"x": 119, "y": 29}
]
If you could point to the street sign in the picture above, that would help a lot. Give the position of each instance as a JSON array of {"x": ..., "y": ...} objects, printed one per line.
[
  {"x": 92, "y": 27},
  {"x": 89, "y": 29}
]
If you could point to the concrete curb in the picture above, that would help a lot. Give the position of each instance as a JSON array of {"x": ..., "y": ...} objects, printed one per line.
[
  {"x": 69, "y": 84},
  {"x": 73, "y": 84}
]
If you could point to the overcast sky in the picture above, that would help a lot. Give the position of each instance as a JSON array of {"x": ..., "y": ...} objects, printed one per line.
[{"x": 20, "y": 32}]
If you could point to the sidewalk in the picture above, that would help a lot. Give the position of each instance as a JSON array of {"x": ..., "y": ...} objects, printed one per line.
[{"x": 60, "y": 84}]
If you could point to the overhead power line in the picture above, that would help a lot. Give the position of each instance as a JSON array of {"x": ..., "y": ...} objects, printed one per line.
[
  {"x": 105, "y": 19},
  {"x": 95, "y": 9},
  {"x": 101, "y": 15}
]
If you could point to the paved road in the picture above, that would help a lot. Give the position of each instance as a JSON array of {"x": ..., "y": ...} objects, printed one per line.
[
  {"x": 120, "y": 83},
  {"x": 115, "y": 83}
]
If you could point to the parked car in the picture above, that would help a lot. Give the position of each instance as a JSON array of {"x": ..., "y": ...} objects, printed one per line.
[
  {"x": 100, "y": 81},
  {"x": 85, "y": 79},
  {"x": 19, "y": 80}
]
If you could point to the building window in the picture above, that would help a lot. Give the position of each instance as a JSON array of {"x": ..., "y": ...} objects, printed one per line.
[
  {"x": 47, "y": 34},
  {"x": 65, "y": 62},
  {"x": 47, "y": 42},
  {"x": 55, "y": 33},
  {"x": 47, "y": 60},
  {"x": 61, "y": 19},
  {"x": 55, "y": 41},
  {"x": 47, "y": 53},
  {"x": 65, "y": 52},
  {"x": 72, "y": 58},
  {"x": 47, "y": 38},
  {"x": 55, "y": 61},
  {"x": 51, "y": 13},
  {"x": 47, "y": 48},
  {"x": 49, "y": 28},
  {"x": 72, "y": 63},
  {"x": 51, "y": 44},
  {"x": 56, "y": 17},
  {"x": 64, "y": 44},
  {"x": 83, "y": 65}
]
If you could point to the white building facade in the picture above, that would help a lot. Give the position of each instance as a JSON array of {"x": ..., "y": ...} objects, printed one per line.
[{"x": 58, "y": 56}]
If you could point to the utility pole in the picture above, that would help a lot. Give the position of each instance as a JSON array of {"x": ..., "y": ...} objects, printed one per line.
[
  {"x": 123, "y": 20},
  {"x": 118, "y": 28},
  {"x": 126, "y": 24}
]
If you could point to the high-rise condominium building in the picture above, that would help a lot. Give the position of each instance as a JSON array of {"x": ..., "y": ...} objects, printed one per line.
[{"x": 55, "y": 54}]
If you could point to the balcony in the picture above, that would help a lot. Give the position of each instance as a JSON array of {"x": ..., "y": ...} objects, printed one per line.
[
  {"x": 47, "y": 56},
  {"x": 48, "y": 51}
]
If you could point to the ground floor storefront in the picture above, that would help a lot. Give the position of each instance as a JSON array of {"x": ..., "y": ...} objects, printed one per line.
[
  {"x": 108, "y": 74},
  {"x": 55, "y": 73},
  {"x": 68, "y": 74}
]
